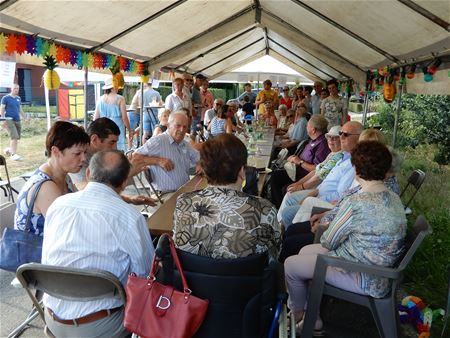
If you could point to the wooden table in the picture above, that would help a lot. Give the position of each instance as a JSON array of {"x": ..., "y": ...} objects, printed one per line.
[{"x": 161, "y": 220}]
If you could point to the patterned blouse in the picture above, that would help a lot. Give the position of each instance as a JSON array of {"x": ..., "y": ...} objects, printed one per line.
[
  {"x": 369, "y": 228},
  {"x": 335, "y": 108},
  {"x": 220, "y": 222},
  {"x": 324, "y": 168}
]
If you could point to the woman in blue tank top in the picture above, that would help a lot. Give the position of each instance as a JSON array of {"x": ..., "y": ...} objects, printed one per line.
[{"x": 112, "y": 106}]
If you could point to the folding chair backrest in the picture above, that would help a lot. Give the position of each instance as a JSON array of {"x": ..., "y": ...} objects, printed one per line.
[
  {"x": 300, "y": 147},
  {"x": 8, "y": 186},
  {"x": 414, "y": 238},
  {"x": 70, "y": 283},
  {"x": 416, "y": 180},
  {"x": 7, "y": 215}
]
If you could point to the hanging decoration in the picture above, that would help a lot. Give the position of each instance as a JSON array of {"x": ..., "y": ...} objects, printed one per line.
[
  {"x": 434, "y": 66},
  {"x": 427, "y": 77},
  {"x": 118, "y": 80},
  {"x": 3, "y": 42},
  {"x": 402, "y": 76},
  {"x": 21, "y": 45},
  {"x": 389, "y": 88},
  {"x": 51, "y": 77},
  {"x": 412, "y": 72},
  {"x": 33, "y": 45},
  {"x": 145, "y": 75},
  {"x": 11, "y": 44}
]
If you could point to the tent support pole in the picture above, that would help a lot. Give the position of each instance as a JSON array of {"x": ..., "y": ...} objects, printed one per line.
[
  {"x": 397, "y": 115},
  {"x": 47, "y": 108},
  {"x": 85, "y": 89},
  {"x": 366, "y": 108},
  {"x": 141, "y": 114}
]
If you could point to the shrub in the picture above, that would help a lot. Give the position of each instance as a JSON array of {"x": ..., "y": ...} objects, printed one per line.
[{"x": 424, "y": 119}]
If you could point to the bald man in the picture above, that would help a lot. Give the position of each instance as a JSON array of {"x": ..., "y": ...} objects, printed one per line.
[{"x": 95, "y": 229}]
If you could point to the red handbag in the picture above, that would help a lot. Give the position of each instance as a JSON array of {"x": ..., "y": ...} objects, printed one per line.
[{"x": 155, "y": 310}]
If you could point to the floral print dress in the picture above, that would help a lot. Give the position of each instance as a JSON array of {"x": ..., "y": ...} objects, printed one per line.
[{"x": 220, "y": 222}]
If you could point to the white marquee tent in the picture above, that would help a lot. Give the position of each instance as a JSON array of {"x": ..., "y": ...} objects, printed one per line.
[{"x": 319, "y": 39}]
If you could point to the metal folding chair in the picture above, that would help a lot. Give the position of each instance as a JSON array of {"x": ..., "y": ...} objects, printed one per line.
[
  {"x": 415, "y": 181},
  {"x": 68, "y": 284},
  {"x": 5, "y": 185}
]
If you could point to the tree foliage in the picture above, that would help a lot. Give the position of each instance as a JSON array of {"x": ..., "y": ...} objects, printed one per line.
[{"x": 424, "y": 119}]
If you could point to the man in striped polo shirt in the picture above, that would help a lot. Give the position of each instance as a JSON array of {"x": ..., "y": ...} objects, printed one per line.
[{"x": 176, "y": 156}]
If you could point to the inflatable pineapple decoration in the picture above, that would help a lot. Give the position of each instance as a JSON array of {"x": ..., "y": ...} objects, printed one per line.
[
  {"x": 145, "y": 76},
  {"x": 118, "y": 80},
  {"x": 51, "y": 77}
]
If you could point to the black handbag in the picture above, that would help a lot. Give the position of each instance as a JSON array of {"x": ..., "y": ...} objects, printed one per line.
[{"x": 18, "y": 247}]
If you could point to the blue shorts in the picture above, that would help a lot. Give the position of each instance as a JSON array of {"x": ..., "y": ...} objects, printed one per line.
[{"x": 134, "y": 120}]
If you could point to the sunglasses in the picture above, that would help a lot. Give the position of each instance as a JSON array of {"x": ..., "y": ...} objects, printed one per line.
[
  {"x": 217, "y": 104},
  {"x": 189, "y": 80},
  {"x": 345, "y": 134}
]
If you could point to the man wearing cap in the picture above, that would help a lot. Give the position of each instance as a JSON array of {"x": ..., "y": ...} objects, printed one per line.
[
  {"x": 11, "y": 109},
  {"x": 268, "y": 94},
  {"x": 286, "y": 99}
]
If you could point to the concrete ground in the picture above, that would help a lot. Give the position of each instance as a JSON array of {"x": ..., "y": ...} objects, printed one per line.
[{"x": 341, "y": 319}]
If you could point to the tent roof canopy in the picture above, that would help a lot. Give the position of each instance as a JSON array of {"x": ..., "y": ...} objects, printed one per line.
[{"x": 319, "y": 39}]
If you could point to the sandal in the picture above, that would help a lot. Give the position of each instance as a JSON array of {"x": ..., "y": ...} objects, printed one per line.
[{"x": 318, "y": 328}]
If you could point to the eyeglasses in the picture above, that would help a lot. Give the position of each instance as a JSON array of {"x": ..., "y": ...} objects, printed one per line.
[
  {"x": 345, "y": 134},
  {"x": 217, "y": 104},
  {"x": 189, "y": 80}
]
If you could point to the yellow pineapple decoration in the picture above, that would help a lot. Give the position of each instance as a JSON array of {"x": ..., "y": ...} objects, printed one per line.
[
  {"x": 145, "y": 76},
  {"x": 51, "y": 77},
  {"x": 118, "y": 80}
]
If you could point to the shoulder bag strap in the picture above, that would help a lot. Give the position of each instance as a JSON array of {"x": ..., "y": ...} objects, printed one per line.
[
  {"x": 173, "y": 252},
  {"x": 33, "y": 199}
]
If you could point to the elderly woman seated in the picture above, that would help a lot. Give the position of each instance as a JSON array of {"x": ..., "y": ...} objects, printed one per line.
[
  {"x": 221, "y": 221},
  {"x": 301, "y": 232},
  {"x": 66, "y": 145},
  {"x": 369, "y": 228}
]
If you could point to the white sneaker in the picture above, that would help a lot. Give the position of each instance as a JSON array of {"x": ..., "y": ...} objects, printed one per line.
[{"x": 16, "y": 157}]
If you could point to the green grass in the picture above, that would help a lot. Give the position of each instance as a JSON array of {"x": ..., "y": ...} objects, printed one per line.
[
  {"x": 31, "y": 146},
  {"x": 427, "y": 274}
]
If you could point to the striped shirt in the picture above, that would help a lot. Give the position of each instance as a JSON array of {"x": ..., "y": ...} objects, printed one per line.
[
  {"x": 95, "y": 229},
  {"x": 217, "y": 126},
  {"x": 182, "y": 155}
]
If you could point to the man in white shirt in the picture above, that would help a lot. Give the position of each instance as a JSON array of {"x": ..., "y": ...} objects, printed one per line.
[{"x": 95, "y": 229}]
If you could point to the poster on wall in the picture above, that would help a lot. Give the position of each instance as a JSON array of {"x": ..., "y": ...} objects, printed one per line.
[{"x": 7, "y": 70}]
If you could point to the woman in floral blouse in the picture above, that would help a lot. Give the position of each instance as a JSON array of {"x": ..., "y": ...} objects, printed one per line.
[
  {"x": 221, "y": 221},
  {"x": 369, "y": 228}
]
